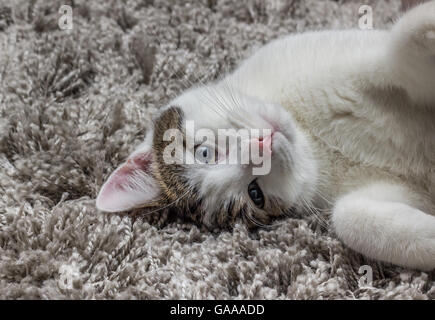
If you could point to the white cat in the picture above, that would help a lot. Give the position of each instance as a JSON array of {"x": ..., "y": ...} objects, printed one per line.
[{"x": 352, "y": 116}]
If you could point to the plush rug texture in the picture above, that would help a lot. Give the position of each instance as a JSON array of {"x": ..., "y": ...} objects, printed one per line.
[{"x": 74, "y": 103}]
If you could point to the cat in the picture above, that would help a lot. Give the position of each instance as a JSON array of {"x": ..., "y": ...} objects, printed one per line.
[{"x": 351, "y": 120}]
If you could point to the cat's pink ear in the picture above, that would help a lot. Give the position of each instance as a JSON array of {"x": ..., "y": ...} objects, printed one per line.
[{"x": 130, "y": 185}]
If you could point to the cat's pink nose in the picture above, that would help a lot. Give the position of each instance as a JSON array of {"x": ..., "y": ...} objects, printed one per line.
[{"x": 264, "y": 144}]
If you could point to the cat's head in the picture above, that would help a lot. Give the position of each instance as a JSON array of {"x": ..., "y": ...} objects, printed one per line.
[{"x": 194, "y": 159}]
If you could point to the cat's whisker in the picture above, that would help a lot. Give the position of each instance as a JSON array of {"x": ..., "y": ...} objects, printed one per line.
[
  {"x": 312, "y": 211},
  {"x": 256, "y": 222}
]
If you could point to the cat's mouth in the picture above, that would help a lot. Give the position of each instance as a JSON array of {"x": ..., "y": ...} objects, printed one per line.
[{"x": 274, "y": 125}]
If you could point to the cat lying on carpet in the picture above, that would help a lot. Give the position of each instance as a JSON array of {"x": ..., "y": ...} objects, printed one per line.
[{"x": 350, "y": 122}]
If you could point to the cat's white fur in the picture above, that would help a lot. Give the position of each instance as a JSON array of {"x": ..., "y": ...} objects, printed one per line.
[
  {"x": 354, "y": 113},
  {"x": 370, "y": 96}
]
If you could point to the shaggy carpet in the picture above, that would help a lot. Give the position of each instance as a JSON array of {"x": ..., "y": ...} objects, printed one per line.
[{"x": 74, "y": 103}]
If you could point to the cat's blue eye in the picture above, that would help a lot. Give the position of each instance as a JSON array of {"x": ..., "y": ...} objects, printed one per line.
[
  {"x": 205, "y": 154},
  {"x": 255, "y": 193}
]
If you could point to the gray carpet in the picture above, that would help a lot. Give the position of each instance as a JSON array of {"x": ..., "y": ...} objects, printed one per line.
[{"x": 74, "y": 104}]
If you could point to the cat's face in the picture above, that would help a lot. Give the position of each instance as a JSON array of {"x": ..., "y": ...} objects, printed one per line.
[{"x": 218, "y": 156}]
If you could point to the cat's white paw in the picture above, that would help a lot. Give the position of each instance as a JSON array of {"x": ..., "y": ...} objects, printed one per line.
[
  {"x": 429, "y": 39},
  {"x": 374, "y": 222},
  {"x": 411, "y": 57},
  {"x": 416, "y": 29}
]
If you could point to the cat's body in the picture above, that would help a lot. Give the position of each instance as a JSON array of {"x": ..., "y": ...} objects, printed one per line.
[
  {"x": 353, "y": 121},
  {"x": 341, "y": 88}
]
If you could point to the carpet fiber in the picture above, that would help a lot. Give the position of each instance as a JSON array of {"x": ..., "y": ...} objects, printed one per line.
[{"x": 74, "y": 103}]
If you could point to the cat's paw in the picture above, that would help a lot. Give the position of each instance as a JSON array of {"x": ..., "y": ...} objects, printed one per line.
[
  {"x": 416, "y": 29},
  {"x": 429, "y": 39}
]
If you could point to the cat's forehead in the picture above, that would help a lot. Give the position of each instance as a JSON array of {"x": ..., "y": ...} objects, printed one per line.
[{"x": 171, "y": 117}]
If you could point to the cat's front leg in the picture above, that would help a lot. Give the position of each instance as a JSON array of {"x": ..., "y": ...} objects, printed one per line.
[
  {"x": 380, "y": 222},
  {"x": 411, "y": 53}
]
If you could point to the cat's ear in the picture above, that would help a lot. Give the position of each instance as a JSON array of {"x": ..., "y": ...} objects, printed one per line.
[{"x": 131, "y": 185}]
